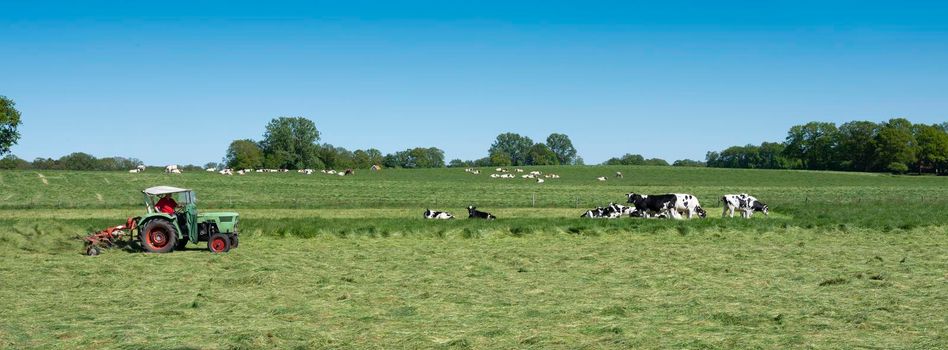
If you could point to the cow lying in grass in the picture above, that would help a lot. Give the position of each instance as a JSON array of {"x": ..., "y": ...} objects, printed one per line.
[
  {"x": 744, "y": 203},
  {"x": 438, "y": 215},
  {"x": 473, "y": 213},
  {"x": 610, "y": 212}
]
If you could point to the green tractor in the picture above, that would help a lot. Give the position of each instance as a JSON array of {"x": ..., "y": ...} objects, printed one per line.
[{"x": 160, "y": 232}]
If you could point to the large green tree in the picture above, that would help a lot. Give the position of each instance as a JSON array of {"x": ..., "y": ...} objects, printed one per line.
[
  {"x": 540, "y": 154},
  {"x": 895, "y": 144},
  {"x": 813, "y": 143},
  {"x": 78, "y": 161},
  {"x": 857, "y": 145},
  {"x": 366, "y": 158},
  {"x": 13, "y": 162},
  {"x": 932, "y": 147},
  {"x": 514, "y": 146},
  {"x": 291, "y": 143},
  {"x": 9, "y": 121},
  {"x": 244, "y": 154},
  {"x": 561, "y": 145}
]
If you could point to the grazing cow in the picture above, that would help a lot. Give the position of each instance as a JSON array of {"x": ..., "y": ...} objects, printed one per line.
[
  {"x": 744, "y": 203},
  {"x": 527, "y": 176},
  {"x": 134, "y": 171},
  {"x": 539, "y": 181},
  {"x": 535, "y": 173},
  {"x": 473, "y": 213},
  {"x": 171, "y": 168},
  {"x": 601, "y": 178},
  {"x": 619, "y": 174},
  {"x": 438, "y": 215},
  {"x": 140, "y": 168},
  {"x": 653, "y": 205},
  {"x": 518, "y": 170},
  {"x": 350, "y": 172}
]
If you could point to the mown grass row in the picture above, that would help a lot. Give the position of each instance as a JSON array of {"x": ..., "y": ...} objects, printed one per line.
[
  {"x": 62, "y": 236},
  {"x": 731, "y": 288}
]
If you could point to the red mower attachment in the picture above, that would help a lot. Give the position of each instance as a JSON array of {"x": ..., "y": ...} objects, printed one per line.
[{"x": 108, "y": 237}]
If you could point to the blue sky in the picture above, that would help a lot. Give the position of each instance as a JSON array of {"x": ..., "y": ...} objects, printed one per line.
[{"x": 175, "y": 82}]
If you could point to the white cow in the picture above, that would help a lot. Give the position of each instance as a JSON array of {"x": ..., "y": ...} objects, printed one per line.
[
  {"x": 601, "y": 178},
  {"x": 539, "y": 181},
  {"x": 171, "y": 168}
]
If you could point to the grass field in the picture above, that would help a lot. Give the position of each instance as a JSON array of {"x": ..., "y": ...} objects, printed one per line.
[{"x": 845, "y": 260}]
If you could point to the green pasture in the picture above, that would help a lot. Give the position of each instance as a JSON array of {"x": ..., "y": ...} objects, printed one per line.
[{"x": 845, "y": 260}]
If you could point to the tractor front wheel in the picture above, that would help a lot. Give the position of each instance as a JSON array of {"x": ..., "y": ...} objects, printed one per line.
[
  {"x": 92, "y": 250},
  {"x": 233, "y": 241},
  {"x": 158, "y": 236},
  {"x": 218, "y": 243}
]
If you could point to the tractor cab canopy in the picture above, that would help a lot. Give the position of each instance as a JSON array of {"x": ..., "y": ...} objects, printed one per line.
[{"x": 181, "y": 195}]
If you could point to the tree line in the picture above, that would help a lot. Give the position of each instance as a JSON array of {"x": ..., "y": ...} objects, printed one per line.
[
  {"x": 72, "y": 161},
  {"x": 512, "y": 149},
  {"x": 293, "y": 143},
  {"x": 896, "y": 146}
]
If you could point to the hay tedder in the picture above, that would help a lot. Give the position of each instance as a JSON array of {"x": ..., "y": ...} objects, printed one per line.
[{"x": 160, "y": 232}]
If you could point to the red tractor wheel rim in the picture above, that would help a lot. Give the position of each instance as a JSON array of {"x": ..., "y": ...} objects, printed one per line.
[
  {"x": 218, "y": 244},
  {"x": 157, "y": 238}
]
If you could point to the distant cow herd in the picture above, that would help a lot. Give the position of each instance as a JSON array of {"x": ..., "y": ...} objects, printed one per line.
[{"x": 671, "y": 205}]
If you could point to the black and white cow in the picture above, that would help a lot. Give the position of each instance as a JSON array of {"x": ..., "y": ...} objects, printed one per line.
[
  {"x": 613, "y": 211},
  {"x": 744, "y": 203},
  {"x": 439, "y": 215},
  {"x": 594, "y": 213},
  {"x": 622, "y": 210},
  {"x": 670, "y": 205},
  {"x": 689, "y": 204},
  {"x": 473, "y": 213},
  {"x": 652, "y": 205}
]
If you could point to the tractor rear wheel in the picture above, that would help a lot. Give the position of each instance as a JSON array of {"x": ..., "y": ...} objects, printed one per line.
[
  {"x": 158, "y": 236},
  {"x": 218, "y": 243}
]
